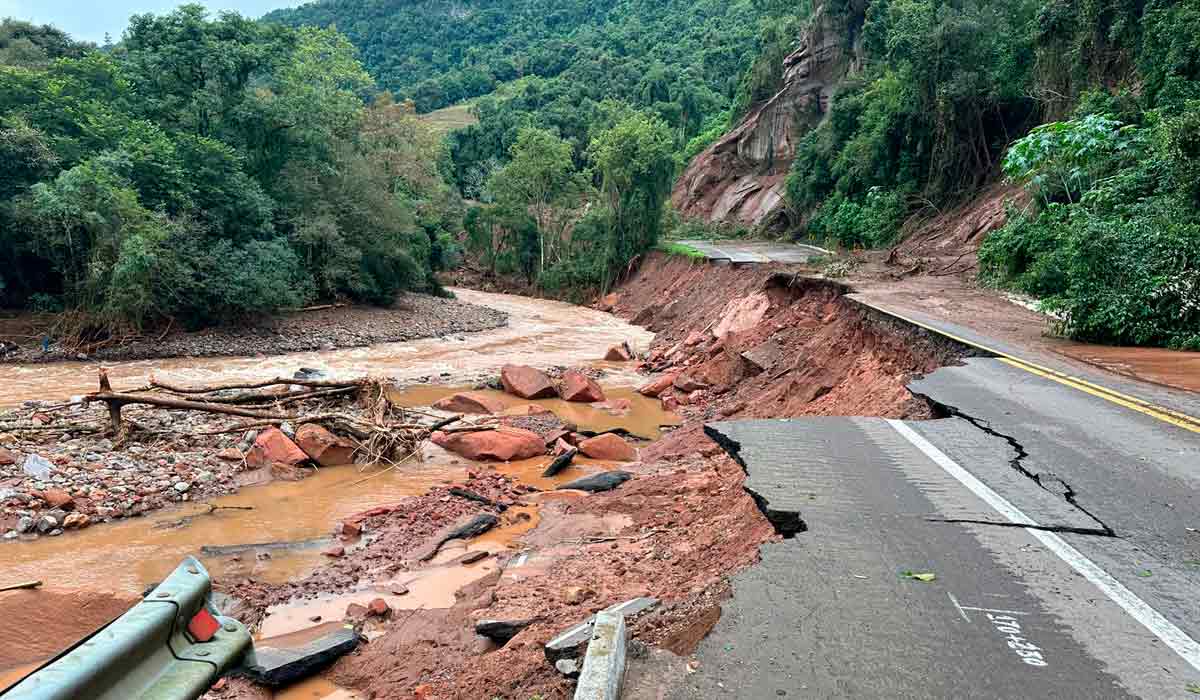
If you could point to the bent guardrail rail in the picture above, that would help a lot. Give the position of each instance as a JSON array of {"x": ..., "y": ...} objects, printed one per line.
[{"x": 173, "y": 645}]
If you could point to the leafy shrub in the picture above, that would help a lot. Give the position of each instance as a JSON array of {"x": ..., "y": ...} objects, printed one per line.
[{"x": 874, "y": 223}]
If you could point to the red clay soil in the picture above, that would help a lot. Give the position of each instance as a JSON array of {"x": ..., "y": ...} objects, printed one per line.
[
  {"x": 676, "y": 531},
  {"x": 37, "y": 624},
  {"x": 813, "y": 351}
]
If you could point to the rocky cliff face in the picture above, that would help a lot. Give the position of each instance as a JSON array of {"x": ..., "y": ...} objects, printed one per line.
[{"x": 741, "y": 179}]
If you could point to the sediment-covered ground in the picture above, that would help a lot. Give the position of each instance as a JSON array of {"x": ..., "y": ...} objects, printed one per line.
[
  {"x": 732, "y": 342},
  {"x": 413, "y": 316}
]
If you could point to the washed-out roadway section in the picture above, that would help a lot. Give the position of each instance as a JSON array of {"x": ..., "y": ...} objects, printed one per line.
[{"x": 842, "y": 610}]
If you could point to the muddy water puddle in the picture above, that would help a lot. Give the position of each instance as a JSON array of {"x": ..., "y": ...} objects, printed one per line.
[
  {"x": 1173, "y": 368},
  {"x": 127, "y": 556},
  {"x": 541, "y": 331},
  {"x": 316, "y": 689},
  {"x": 624, "y": 408}
]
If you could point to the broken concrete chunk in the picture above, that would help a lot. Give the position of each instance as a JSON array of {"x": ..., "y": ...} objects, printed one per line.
[
  {"x": 568, "y": 644},
  {"x": 604, "y": 665},
  {"x": 278, "y": 666},
  {"x": 596, "y": 483},
  {"x": 567, "y": 667}
]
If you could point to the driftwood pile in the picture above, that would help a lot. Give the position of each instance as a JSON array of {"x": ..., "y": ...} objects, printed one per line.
[{"x": 354, "y": 408}]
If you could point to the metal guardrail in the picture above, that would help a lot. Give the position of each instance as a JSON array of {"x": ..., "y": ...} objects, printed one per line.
[{"x": 171, "y": 646}]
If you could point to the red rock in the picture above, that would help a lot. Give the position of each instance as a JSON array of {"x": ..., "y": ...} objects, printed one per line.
[
  {"x": 57, "y": 498},
  {"x": 273, "y": 447},
  {"x": 220, "y": 685},
  {"x": 608, "y": 447},
  {"x": 335, "y": 552},
  {"x": 76, "y": 521},
  {"x": 351, "y": 529},
  {"x": 527, "y": 382},
  {"x": 658, "y": 386},
  {"x": 379, "y": 608},
  {"x": 354, "y": 611},
  {"x": 742, "y": 314},
  {"x": 576, "y": 386},
  {"x": 324, "y": 447},
  {"x": 695, "y": 338},
  {"x": 574, "y": 595},
  {"x": 688, "y": 384},
  {"x": 7, "y": 457},
  {"x": 470, "y": 402},
  {"x": 503, "y": 444},
  {"x": 619, "y": 353}
]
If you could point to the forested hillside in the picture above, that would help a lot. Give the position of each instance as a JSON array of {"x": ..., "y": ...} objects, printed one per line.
[
  {"x": 586, "y": 111},
  {"x": 1091, "y": 105},
  {"x": 205, "y": 168}
]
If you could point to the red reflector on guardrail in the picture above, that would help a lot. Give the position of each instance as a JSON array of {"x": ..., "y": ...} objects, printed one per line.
[{"x": 203, "y": 626}]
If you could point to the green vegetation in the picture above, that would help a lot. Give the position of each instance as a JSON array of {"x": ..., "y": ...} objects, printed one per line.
[
  {"x": 584, "y": 111},
  {"x": 680, "y": 250},
  {"x": 1111, "y": 241},
  {"x": 206, "y": 168}
]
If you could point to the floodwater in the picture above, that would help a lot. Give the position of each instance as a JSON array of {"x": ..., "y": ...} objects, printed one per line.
[
  {"x": 127, "y": 556},
  {"x": 255, "y": 531},
  {"x": 540, "y": 332}
]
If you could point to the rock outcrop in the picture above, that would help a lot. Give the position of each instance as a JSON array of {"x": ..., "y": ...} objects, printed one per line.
[{"x": 742, "y": 178}]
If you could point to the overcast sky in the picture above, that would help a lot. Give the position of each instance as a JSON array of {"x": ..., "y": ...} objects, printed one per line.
[{"x": 90, "y": 19}]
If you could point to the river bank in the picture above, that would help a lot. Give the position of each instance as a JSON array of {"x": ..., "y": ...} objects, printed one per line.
[{"x": 412, "y": 317}]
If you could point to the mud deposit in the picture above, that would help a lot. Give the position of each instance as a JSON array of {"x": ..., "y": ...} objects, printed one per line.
[{"x": 731, "y": 342}]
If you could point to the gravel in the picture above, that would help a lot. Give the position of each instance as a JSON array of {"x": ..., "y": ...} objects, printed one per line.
[{"x": 413, "y": 316}]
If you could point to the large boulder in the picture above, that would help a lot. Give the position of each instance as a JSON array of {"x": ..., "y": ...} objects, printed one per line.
[
  {"x": 620, "y": 353},
  {"x": 608, "y": 447},
  {"x": 326, "y": 449},
  {"x": 273, "y": 447},
  {"x": 576, "y": 386},
  {"x": 742, "y": 314},
  {"x": 527, "y": 382},
  {"x": 655, "y": 388},
  {"x": 503, "y": 444},
  {"x": 471, "y": 402}
]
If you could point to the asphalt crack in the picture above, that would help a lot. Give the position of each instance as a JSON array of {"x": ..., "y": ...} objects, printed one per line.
[
  {"x": 1047, "y": 481},
  {"x": 1060, "y": 529},
  {"x": 787, "y": 523}
]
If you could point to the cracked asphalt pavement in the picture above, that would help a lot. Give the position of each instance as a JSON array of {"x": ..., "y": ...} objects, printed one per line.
[{"x": 1038, "y": 542}]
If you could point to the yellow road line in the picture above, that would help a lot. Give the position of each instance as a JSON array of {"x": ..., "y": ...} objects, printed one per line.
[{"x": 1166, "y": 415}]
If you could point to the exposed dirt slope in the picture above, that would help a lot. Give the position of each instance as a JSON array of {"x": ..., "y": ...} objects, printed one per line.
[{"x": 762, "y": 342}]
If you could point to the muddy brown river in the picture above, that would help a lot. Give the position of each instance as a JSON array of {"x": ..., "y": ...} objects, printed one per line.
[
  {"x": 539, "y": 331},
  {"x": 122, "y": 558}
]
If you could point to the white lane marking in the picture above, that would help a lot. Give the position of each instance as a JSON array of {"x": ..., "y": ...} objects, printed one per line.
[
  {"x": 1138, "y": 609},
  {"x": 960, "y": 608},
  {"x": 993, "y": 610}
]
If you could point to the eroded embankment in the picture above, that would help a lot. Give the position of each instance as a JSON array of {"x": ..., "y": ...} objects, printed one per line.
[{"x": 763, "y": 342}]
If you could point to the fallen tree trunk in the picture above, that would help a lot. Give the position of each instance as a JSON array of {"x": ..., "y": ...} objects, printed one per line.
[{"x": 278, "y": 381}]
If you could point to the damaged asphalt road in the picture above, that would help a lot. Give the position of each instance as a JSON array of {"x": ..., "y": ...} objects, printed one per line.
[{"x": 1058, "y": 527}]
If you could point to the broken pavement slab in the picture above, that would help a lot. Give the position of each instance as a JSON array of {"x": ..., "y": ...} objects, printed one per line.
[
  {"x": 596, "y": 483},
  {"x": 283, "y": 660},
  {"x": 567, "y": 645}
]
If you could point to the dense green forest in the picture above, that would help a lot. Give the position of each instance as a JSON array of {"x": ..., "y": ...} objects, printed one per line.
[
  {"x": 948, "y": 100},
  {"x": 551, "y": 82},
  {"x": 205, "y": 168}
]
